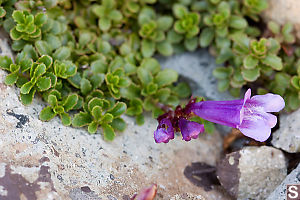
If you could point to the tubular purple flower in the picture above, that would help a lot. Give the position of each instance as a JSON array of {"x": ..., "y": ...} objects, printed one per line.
[
  {"x": 190, "y": 129},
  {"x": 249, "y": 115},
  {"x": 164, "y": 131}
]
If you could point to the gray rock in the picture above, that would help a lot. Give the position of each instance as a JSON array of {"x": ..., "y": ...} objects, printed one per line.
[
  {"x": 50, "y": 161},
  {"x": 253, "y": 172},
  {"x": 196, "y": 68},
  {"x": 280, "y": 192},
  {"x": 287, "y": 137}
]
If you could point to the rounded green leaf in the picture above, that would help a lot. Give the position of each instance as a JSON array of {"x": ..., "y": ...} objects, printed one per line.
[
  {"x": 250, "y": 62},
  {"x": 40, "y": 19},
  {"x": 148, "y": 48},
  {"x": 97, "y": 112},
  {"x": 104, "y": 24},
  {"x": 85, "y": 86},
  {"x": 65, "y": 119},
  {"x": 62, "y": 53},
  {"x": 118, "y": 124},
  {"x": 43, "y": 83},
  {"x": 27, "y": 98},
  {"x": 165, "y": 48},
  {"x": 92, "y": 128},
  {"x": 295, "y": 81},
  {"x": 11, "y": 79},
  {"x": 273, "y": 61},
  {"x": 251, "y": 74},
  {"x": 81, "y": 119},
  {"x": 237, "y": 22},
  {"x": 70, "y": 102},
  {"x": 206, "y": 36},
  {"x": 166, "y": 77},
  {"x": 118, "y": 109},
  {"x": 5, "y": 62},
  {"x": 108, "y": 132},
  {"x": 26, "y": 88},
  {"x": 47, "y": 114}
]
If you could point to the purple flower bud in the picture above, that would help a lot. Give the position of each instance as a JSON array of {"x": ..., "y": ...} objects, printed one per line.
[
  {"x": 190, "y": 129},
  {"x": 249, "y": 115},
  {"x": 164, "y": 132}
]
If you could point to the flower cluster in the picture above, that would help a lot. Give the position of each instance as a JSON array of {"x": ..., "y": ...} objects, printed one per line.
[{"x": 250, "y": 115}]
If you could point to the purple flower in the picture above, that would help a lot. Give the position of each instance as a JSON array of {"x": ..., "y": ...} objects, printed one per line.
[
  {"x": 249, "y": 115},
  {"x": 190, "y": 129},
  {"x": 164, "y": 131}
]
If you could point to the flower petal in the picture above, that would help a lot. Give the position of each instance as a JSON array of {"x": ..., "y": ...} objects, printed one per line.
[
  {"x": 190, "y": 129},
  {"x": 222, "y": 112},
  {"x": 256, "y": 129},
  {"x": 164, "y": 132},
  {"x": 270, "y": 102},
  {"x": 161, "y": 135}
]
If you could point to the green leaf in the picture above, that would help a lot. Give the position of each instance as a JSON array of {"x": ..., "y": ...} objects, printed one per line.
[
  {"x": 62, "y": 53},
  {"x": 131, "y": 92},
  {"x": 237, "y": 22},
  {"x": 273, "y": 46},
  {"x": 108, "y": 132},
  {"x": 107, "y": 118},
  {"x": 118, "y": 124},
  {"x": 151, "y": 64},
  {"x": 274, "y": 27},
  {"x": 92, "y": 128},
  {"x": 206, "y": 36},
  {"x": 85, "y": 86},
  {"x": 81, "y": 119},
  {"x": 52, "y": 100},
  {"x": 53, "y": 41},
  {"x": 165, "y": 48},
  {"x": 11, "y": 79},
  {"x": 2, "y": 12},
  {"x": 5, "y": 62},
  {"x": 70, "y": 102},
  {"x": 15, "y": 35},
  {"x": 140, "y": 120},
  {"x": 191, "y": 43},
  {"x": 174, "y": 37},
  {"x": 97, "y": 112},
  {"x": 42, "y": 47},
  {"x": 47, "y": 114},
  {"x": 47, "y": 60},
  {"x": 208, "y": 126},
  {"x": 65, "y": 119},
  {"x": 166, "y": 77},
  {"x": 99, "y": 66},
  {"x": 104, "y": 24},
  {"x": 273, "y": 61},
  {"x": 295, "y": 81},
  {"x": 251, "y": 74},
  {"x": 18, "y": 16},
  {"x": 27, "y": 98},
  {"x": 182, "y": 90},
  {"x": 144, "y": 76},
  {"x": 115, "y": 15},
  {"x": 179, "y": 10},
  {"x": 164, "y": 23},
  {"x": 43, "y": 83},
  {"x": 118, "y": 109},
  {"x": 250, "y": 62},
  {"x": 40, "y": 19},
  {"x": 148, "y": 48},
  {"x": 26, "y": 88},
  {"x": 223, "y": 85}
]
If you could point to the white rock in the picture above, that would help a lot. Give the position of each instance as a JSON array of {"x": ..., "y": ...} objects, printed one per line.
[
  {"x": 287, "y": 137},
  {"x": 253, "y": 172}
]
